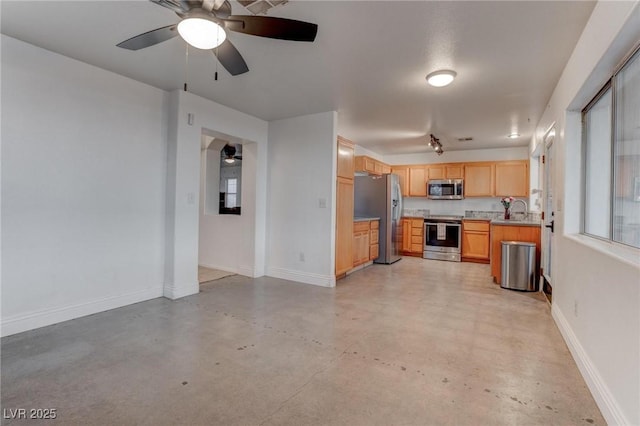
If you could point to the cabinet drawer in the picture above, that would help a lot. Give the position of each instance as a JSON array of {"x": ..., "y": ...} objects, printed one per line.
[
  {"x": 417, "y": 223},
  {"x": 360, "y": 226},
  {"x": 482, "y": 226},
  {"x": 416, "y": 240},
  {"x": 375, "y": 224},
  {"x": 417, "y": 231},
  {"x": 417, "y": 248},
  {"x": 374, "y": 236}
]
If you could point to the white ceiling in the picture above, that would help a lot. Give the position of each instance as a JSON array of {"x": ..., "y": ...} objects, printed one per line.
[{"x": 369, "y": 63}]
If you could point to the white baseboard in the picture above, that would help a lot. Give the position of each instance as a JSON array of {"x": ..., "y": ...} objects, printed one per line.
[
  {"x": 244, "y": 270},
  {"x": 173, "y": 291},
  {"x": 600, "y": 391},
  {"x": 33, "y": 320},
  {"x": 225, "y": 268},
  {"x": 302, "y": 277}
]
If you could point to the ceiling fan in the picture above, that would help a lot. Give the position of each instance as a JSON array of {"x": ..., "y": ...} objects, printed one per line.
[
  {"x": 203, "y": 24},
  {"x": 230, "y": 154}
]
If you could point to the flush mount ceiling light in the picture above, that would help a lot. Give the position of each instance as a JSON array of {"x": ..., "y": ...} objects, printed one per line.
[
  {"x": 201, "y": 33},
  {"x": 514, "y": 136},
  {"x": 441, "y": 78}
]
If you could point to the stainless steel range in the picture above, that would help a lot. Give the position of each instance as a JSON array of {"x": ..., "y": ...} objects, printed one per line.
[{"x": 442, "y": 238}]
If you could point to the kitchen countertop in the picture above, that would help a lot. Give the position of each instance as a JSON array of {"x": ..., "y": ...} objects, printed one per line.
[
  {"x": 364, "y": 219},
  {"x": 515, "y": 222}
]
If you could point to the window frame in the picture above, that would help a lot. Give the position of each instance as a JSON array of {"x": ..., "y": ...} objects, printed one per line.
[{"x": 611, "y": 84}]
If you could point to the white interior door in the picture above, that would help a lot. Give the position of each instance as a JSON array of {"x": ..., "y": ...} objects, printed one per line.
[{"x": 548, "y": 208}]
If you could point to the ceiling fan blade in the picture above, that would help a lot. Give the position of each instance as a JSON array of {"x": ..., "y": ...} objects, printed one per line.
[
  {"x": 176, "y": 5},
  {"x": 230, "y": 58},
  {"x": 150, "y": 38},
  {"x": 271, "y": 27}
]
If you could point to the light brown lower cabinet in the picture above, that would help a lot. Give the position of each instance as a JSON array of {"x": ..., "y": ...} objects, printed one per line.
[
  {"x": 365, "y": 241},
  {"x": 475, "y": 241},
  {"x": 412, "y": 237},
  {"x": 499, "y": 233}
]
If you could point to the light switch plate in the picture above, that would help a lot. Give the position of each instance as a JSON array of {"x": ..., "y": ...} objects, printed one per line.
[{"x": 322, "y": 203}]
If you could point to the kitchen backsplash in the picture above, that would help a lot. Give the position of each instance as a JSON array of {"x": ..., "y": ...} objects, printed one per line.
[{"x": 482, "y": 208}]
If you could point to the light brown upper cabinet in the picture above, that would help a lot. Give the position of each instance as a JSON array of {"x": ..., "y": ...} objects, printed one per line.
[
  {"x": 346, "y": 166},
  {"x": 454, "y": 171},
  {"x": 445, "y": 171},
  {"x": 478, "y": 179},
  {"x": 371, "y": 165},
  {"x": 417, "y": 181},
  {"x": 403, "y": 178},
  {"x": 512, "y": 178}
]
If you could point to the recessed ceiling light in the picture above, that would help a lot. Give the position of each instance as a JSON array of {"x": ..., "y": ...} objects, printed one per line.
[
  {"x": 441, "y": 78},
  {"x": 514, "y": 135},
  {"x": 201, "y": 33}
]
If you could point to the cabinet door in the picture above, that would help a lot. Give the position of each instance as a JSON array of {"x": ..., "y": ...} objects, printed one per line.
[
  {"x": 417, "y": 182},
  {"x": 403, "y": 178},
  {"x": 386, "y": 169},
  {"x": 369, "y": 165},
  {"x": 344, "y": 225},
  {"x": 478, "y": 180},
  {"x": 346, "y": 165},
  {"x": 512, "y": 178},
  {"x": 406, "y": 235},
  {"x": 475, "y": 244},
  {"x": 454, "y": 171},
  {"x": 374, "y": 251},
  {"x": 435, "y": 172},
  {"x": 377, "y": 167}
]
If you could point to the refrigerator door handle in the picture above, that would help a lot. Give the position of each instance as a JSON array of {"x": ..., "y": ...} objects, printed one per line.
[{"x": 398, "y": 202}]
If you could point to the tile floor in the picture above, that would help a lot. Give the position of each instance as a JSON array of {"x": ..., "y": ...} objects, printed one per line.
[{"x": 415, "y": 343}]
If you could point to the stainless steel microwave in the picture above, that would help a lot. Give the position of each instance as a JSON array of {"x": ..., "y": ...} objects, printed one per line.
[{"x": 445, "y": 189}]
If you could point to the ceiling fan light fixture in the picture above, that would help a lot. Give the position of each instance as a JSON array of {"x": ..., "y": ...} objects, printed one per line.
[
  {"x": 514, "y": 136},
  {"x": 229, "y": 160},
  {"x": 441, "y": 78},
  {"x": 201, "y": 33}
]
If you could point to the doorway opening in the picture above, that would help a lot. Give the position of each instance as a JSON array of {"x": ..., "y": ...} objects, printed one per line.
[{"x": 227, "y": 209}]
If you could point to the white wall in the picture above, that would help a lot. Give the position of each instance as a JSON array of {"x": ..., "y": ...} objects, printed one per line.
[
  {"x": 83, "y": 188},
  {"x": 183, "y": 207},
  {"x": 458, "y": 207},
  {"x": 302, "y": 158},
  {"x": 596, "y": 289}
]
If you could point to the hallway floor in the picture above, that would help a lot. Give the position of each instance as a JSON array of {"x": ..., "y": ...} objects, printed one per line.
[{"x": 415, "y": 343}]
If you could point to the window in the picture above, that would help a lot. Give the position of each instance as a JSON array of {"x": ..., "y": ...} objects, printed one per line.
[
  {"x": 230, "y": 184},
  {"x": 611, "y": 137},
  {"x": 232, "y": 191}
]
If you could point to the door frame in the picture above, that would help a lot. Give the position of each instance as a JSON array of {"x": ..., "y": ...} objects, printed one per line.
[{"x": 548, "y": 210}]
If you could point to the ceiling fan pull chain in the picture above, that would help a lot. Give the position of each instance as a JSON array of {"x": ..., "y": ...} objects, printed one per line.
[
  {"x": 186, "y": 66},
  {"x": 215, "y": 76}
]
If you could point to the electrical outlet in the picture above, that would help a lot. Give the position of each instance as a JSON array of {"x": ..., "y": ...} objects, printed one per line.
[
  {"x": 575, "y": 308},
  {"x": 322, "y": 203},
  {"x": 301, "y": 256},
  {"x": 191, "y": 198}
]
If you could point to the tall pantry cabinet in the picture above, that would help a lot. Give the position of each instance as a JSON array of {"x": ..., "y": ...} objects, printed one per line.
[{"x": 344, "y": 206}]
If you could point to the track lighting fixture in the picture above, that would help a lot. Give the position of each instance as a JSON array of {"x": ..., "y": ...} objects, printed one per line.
[{"x": 436, "y": 145}]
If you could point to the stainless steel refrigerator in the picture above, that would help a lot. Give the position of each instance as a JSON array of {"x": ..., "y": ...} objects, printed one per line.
[{"x": 380, "y": 196}]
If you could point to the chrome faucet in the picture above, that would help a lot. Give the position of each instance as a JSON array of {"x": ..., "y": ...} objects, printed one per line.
[{"x": 524, "y": 204}]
